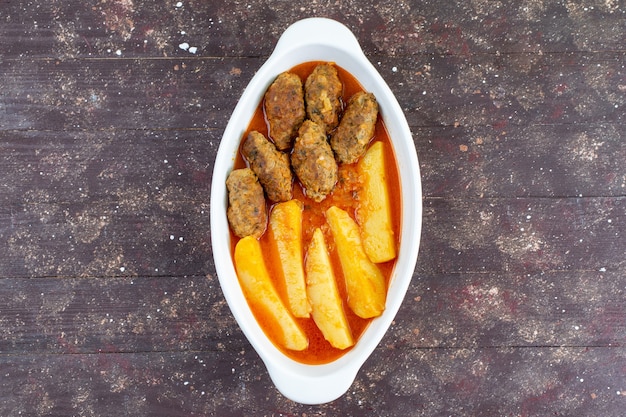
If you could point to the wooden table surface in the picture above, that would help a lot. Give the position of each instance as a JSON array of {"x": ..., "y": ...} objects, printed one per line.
[{"x": 111, "y": 112}]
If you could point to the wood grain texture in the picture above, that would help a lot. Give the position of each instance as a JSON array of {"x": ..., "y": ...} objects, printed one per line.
[
  {"x": 411, "y": 382},
  {"x": 111, "y": 113}
]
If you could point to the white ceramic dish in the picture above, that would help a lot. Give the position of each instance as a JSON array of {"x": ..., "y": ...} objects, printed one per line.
[{"x": 317, "y": 39}]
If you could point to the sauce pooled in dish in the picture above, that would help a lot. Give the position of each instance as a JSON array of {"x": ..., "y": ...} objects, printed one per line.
[{"x": 329, "y": 249}]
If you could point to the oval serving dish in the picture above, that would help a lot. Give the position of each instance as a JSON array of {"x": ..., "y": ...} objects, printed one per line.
[{"x": 317, "y": 39}]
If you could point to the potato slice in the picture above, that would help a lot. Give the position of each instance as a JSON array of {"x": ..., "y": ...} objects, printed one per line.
[
  {"x": 365, "y": 283},
  {"x": 263, "y": 297},
  {"x": 374, "y": 211},
  {"x": 328, "y": 312},
  {"x": 285, "y": 235}
]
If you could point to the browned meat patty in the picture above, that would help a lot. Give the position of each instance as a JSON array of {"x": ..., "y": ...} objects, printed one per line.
[
  {"x": 313, "y": 161},
  {"x": 284, "y": 108},
  {"x": 270, "y": 165},
  {"x": 247, "y": 214},
  {"x": 356, "y": 128},
  {"x": 322, "y": 92}
]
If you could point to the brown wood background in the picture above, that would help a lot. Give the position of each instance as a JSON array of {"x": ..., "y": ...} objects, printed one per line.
[{"x": 109, "y": 303}]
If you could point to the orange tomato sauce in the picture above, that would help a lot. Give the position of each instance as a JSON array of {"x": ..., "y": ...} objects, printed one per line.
[{"x": 343, "y": 196}]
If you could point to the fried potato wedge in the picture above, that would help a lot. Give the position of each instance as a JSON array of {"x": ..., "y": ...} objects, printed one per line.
[
  {"x": 328, "y": 312},
  {"x": 263, "y": 297},
  {"x": 374, "y": 211},
  {"x": 365, "y": 283},
  {"x": 285, "y": 235}
]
